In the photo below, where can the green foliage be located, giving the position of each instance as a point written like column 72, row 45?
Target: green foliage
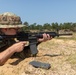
column 51, row 27
column 47, row 26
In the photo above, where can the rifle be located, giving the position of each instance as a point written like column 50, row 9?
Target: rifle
column 32, row 38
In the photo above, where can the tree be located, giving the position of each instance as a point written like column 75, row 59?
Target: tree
column 26, row 28
column 55, row 26
column 39, row 27
column 47, row 26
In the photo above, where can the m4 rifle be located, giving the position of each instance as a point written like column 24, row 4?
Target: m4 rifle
column 32, row 38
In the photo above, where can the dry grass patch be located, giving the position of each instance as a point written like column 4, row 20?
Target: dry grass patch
column 72, row 59
column 62, row 59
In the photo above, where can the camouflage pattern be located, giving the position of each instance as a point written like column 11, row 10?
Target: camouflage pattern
column 10, row 20
column 7, row 43
column 4, row 44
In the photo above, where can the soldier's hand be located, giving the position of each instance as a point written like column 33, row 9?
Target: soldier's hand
column 45, row 37
column 18, row 47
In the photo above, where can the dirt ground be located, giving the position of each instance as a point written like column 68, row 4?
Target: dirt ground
column 62, row 58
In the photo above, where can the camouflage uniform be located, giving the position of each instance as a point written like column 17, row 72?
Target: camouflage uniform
column 7, row 43
column 10, row 20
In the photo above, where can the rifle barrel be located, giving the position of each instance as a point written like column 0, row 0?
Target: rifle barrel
column 65, row 34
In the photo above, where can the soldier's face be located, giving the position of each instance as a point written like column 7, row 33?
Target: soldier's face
column 10, row 31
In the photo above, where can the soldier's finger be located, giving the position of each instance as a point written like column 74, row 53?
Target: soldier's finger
column 49, row 37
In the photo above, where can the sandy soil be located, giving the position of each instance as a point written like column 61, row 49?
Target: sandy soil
column 59, row 51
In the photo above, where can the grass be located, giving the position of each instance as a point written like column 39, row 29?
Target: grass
column 72, row 59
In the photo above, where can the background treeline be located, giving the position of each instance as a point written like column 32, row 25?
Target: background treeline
column 51, row 27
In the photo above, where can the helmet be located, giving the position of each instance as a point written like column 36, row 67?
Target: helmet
column 10, row 20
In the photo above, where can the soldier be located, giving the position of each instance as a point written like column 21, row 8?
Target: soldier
column 10, row 25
